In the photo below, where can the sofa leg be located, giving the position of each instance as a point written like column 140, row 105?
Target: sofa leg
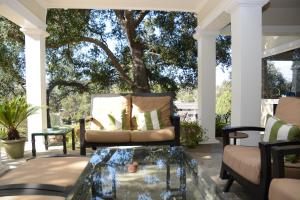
column 223, row 173
column 228, row 184
column 82, row 151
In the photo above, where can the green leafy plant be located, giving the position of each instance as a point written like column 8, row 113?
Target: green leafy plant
column 191, row 133
column 12, row 113
column 221, row 122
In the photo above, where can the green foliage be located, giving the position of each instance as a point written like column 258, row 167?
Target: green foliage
column 191, row 134
column 274, row 84
column 75, row 107
column 76, row 66
column 12, row 113
column 221, row 122
column 2, row 133
column 187, row 95
column 12, row 66
column 223, row 107
column 223, row 104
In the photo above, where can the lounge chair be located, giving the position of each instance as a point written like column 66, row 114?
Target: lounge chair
column 251, row 166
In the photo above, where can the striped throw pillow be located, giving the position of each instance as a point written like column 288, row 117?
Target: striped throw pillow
column 117, row 121
column 149, row 120
column 276, row 130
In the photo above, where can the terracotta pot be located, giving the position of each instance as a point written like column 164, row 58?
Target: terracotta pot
column 14, row 148
column 132, row 168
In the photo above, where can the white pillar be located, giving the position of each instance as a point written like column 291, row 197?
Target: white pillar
column 207, row 82
column 35, row 79
column 246, row 32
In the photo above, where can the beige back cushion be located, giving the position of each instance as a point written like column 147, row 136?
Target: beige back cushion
column 102, row 105
column 149, row 103
column 288, row 110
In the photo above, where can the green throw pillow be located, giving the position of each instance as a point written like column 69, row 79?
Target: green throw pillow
column 149, row 120
column 278, row 130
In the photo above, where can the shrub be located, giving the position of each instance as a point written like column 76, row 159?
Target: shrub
column 191, row 133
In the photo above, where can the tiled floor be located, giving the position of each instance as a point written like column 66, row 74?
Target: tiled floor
column 209, row 157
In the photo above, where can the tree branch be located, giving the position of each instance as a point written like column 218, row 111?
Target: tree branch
column 112, row 57
column 140, row 18
column 82, row 87
column 105, row 48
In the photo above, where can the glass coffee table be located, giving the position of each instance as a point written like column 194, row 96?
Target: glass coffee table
column 54, row 131
column 144, row 173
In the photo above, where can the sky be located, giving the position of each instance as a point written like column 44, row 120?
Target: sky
column 283, row 66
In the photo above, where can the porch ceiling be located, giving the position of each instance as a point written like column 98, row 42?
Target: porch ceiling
column 166, row 5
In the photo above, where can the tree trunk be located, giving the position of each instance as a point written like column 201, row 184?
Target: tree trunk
column 48, row 108
column 139, row 71
column 140, row 76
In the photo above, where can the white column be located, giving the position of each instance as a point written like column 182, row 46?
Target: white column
column 207, row 82
column 35, row 79
column 246, row 32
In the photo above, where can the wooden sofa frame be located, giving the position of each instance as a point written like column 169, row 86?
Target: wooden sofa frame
column 175, row 121
column 259, row 191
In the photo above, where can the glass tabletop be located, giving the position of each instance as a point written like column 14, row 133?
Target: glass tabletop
column 53, row 131
column 146, row 173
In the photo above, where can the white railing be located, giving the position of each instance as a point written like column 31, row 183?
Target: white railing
column 187, row 111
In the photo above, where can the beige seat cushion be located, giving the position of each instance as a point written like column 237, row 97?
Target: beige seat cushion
column 102, row 105
column 243, row 160
column 288, row 110
column 153, row 135
column 100, row 136
column 142, row 104
column 32, row 197
column 60, row 171
column 284, row 189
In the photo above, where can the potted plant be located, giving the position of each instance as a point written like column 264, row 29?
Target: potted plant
column 12, row 113
column 191, row 134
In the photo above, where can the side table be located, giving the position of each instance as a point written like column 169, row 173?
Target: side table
column 237, row 135
column 55, row 131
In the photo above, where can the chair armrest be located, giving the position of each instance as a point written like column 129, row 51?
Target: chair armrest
column 82, row 129
column 278, row 144
column 175, row 120
column 278, row 153
column 87, row 119
column 230, row 129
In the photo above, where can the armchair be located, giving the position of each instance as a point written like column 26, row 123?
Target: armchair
column 251, row 166
column 281, row 187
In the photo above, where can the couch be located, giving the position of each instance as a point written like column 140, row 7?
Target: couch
column 125, row 130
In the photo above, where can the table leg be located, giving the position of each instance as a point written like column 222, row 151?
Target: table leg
column 33, row 145
column 46, row 141
column 168, row 178
column 234, row 141
column 64, row 143
column 73, row 139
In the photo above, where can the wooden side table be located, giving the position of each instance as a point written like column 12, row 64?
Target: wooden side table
column 59, row 131
column 237, row 135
